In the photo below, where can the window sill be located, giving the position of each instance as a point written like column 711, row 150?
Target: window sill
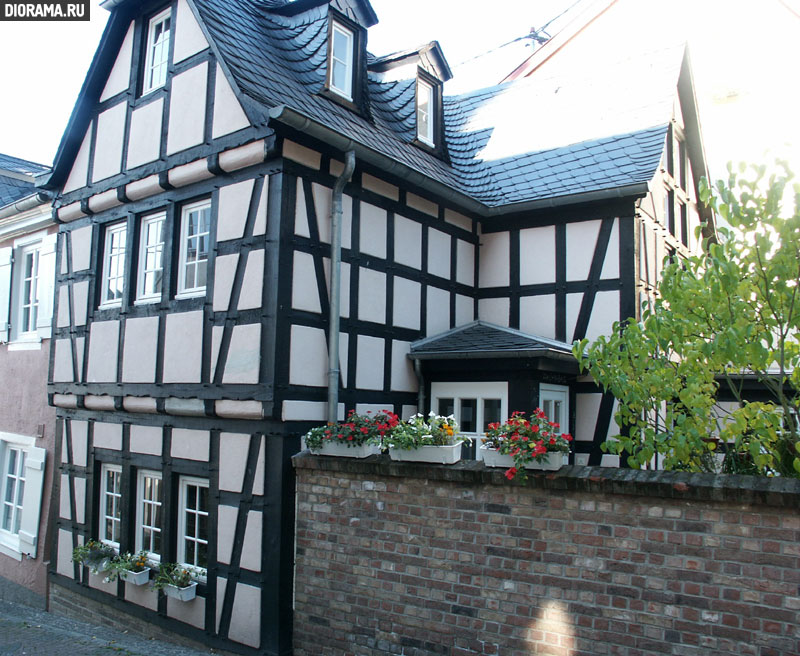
column 192, row 293
column 10, row 550
column 25, row 344
column 147, row 300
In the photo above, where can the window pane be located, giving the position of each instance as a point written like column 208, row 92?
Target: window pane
column 491, row 412
column 468, row 420
column 447, row 407
column 203, row 499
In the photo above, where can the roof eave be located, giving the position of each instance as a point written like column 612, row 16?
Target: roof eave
column 550, row 354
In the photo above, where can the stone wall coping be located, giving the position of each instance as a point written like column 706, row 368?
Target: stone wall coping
column 751, row 490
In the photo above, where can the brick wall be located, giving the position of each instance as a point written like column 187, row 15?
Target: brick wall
column 401, row 558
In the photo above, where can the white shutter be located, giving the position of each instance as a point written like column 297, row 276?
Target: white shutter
column 5, row 290
column 32, row 501
column 46, row 291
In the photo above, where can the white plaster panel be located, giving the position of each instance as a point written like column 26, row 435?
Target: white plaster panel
column 407, row 242
column 63, row 306
column 438, row 311
column 235, row 159
column 190, row 444
column 465, row 262
column 369, row 369
column 604, row 313
column 611, row 262
column 406, row 310
column 302, row 155
column 189, row 173
column 322, row 205
column 251, row 549
column 422, row 204
column 64, row 565
column 139, row 350
column 537, row 315
column 465, row 310
column 234, row 203
column 224, row 273
column 98, row 582
column 81, row 248
column 233, row 449
column 141, row 595
column 140, row 404
column 189, row 38
column 222, row 584
column 144, row 143
column 80, row 343
column 107, row 436
column 300, row 212
column 253, row 281
column 103, row 352
column 403, row 377
column 308, row 357
column 609, row 460
column 371, row 295
column 573, row 308
column 305, row 295
column 260, row 224
column 108, row 144
column 146, row 439
column 537, row 255
column 190, row 612
column 494, row 310
column 245, row 625
column 308, row 411
column 373, row 230
column 187, row 110
column 79, row 173
column 79, row 490
column 379, row 186
column 183, row 344
column 407, row 412
column 62, row 362
column 258, row 483
column 344, row 288
column 144, row 188
column 228, row 113
column 216, row 341
column 494, row 258
column 439, row 253
column 581, row 242
column 344, row 341
column 64, row 510
column 226, row 529
column 119, row 78
column 457, row 219
column 587, row 406
column 80, row 293
column 244, row 355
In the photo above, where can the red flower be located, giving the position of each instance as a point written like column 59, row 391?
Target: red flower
column 534, row 429
column 350, row 438
column 510, row 473
column 567, row 437
column 552, row 440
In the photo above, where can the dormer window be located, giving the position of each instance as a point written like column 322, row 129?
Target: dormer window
column 340, row 65
column 157, row 54
column 425, row 105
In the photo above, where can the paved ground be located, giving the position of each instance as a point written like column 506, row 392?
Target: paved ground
column 27, row 631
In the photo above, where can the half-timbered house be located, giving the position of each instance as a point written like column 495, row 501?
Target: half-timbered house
column 242, row 190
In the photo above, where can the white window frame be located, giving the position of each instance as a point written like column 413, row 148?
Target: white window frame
column 183, row 262
column 426, row 94
column 116, row 496
column 555, row 393
column 141, row 503
column 114, row 254
column 183, row 496
column 481, row 392
column 16, row 543
column 21, row 300
column 345, row 59
column 157, row 56
column 143, row 293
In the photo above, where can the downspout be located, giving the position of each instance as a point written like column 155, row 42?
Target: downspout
column 421, row 384
column 336, row 283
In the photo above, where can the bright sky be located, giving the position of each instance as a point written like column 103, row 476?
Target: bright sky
column 744, row 55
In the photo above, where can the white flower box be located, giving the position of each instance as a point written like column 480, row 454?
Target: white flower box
column 551, row 462
column 181, row 594
column 443, row 455
column 135, row 578
column 342, row 450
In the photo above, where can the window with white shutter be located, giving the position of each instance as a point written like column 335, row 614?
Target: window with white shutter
column 22, row 468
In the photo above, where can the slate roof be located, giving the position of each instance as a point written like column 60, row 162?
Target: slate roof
column 481, row 339
column 12, row 188
column 512, row 143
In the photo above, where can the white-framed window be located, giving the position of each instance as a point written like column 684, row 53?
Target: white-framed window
column 27, row 291
column 340, row 61
column 110, row 504
column 193, row 528
column 193, row 261
column 149, row 504
column 113, row 281
column 474, row 405
column 21, row 478
column 151, row 258
column 157, row 54
column 425, row 111
column 554, row 400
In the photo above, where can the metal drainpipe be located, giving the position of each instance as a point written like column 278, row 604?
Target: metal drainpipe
column 336, row 283
column 421, row 383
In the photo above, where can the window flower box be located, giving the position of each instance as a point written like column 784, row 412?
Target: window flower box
column 553, row 461
column 186, row 593
column 343, row 450
column 359, row 436
column 135, row 578
column 446, row 454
